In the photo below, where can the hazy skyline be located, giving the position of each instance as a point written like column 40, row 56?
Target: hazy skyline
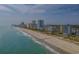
column 52, row 14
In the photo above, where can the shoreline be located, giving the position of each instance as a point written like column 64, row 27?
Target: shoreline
column 38, row 41
column 61, row 46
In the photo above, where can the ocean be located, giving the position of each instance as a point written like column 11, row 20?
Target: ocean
column 13, row 41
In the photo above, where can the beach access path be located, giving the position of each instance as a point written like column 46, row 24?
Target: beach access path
column 60, row 45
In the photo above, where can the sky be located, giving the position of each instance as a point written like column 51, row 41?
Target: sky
column 50, row 13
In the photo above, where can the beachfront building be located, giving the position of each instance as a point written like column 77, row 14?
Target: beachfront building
column 54, row 29
column 34, row 25
column 29, row 26
column 71, row 29
column 61, row 29
column 67, row 29
column 40, row 25
column 50, row 28
column 75, row 29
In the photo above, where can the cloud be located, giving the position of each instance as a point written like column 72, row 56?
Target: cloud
column 4, row 8
column 22, row 9
column 29, row 9
column 66, row 9
column 53, row 13
column 39, row 8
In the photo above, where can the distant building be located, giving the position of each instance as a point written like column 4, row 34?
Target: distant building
column 22, row 25
column 40, row 24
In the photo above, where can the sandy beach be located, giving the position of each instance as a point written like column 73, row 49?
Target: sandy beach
column 61, row 46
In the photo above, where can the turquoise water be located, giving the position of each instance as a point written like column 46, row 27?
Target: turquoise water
column 14, row 42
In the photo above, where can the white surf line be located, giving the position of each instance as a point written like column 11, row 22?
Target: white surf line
column 38, row 42
column 42, row 44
